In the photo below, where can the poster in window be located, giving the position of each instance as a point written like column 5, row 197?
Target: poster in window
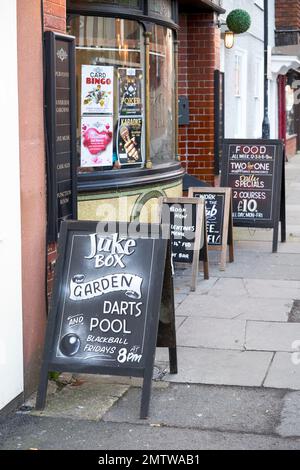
column 97, row 94
column 96, row 141
column 130, row 92
column 130, row 140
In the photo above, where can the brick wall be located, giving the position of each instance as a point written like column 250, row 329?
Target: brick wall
column 55, row 15
column 54, row 20
column 199, row 56
column 291, row 146
column 287, row 14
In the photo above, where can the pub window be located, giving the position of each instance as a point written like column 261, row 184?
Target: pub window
column 110, row 61
column 162, row 94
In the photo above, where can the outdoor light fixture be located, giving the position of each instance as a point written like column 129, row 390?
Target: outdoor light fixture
column 229, row 39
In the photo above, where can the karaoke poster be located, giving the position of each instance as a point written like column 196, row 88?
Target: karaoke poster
column 130, row 140
column 130, row 92
column 96, row 141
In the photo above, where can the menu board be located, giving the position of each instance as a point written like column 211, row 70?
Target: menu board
column 130, row 92
column 183, row 224
column 106, row 301
column 97, row 89
column 253, row 169
column 187, row 222
column 218, row 211
column 96, row 141
column 214, row 208
column 61, row 131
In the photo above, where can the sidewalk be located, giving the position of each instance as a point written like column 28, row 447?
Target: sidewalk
column 238, row 328
column 237, row 386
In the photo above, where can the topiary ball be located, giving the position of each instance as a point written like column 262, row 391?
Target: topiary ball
column 238, row 21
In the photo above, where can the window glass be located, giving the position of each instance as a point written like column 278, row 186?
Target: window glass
column 123, row 3
column 110, row 84
column 161, row 7
column 162, row 95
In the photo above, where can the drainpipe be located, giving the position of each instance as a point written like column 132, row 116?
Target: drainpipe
column 266, row 121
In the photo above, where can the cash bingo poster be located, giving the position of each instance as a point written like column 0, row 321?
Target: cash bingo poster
column 110, row 289
column 97, row 89
column 129, row 141
column 96, row 141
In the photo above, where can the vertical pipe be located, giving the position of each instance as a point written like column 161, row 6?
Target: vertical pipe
column 266, row 121
column 176, row 50
column 147, row 36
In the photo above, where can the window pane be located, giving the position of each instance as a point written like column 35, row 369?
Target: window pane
column 123, row 3
column 110, row 89
column 161, row 7
column 162, row 95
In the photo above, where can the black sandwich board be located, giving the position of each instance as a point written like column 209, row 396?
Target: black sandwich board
column 107, row 303
column 60, row 106
column 186, row 217
column 218, row 205
column 254, row 169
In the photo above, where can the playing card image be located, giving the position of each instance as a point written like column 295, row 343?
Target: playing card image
column 130, row 92
column 97, row 89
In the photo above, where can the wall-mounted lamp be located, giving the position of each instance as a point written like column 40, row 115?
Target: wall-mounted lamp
column 229, row 39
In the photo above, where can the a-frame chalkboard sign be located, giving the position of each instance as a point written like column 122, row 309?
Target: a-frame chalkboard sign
column 106, row 303
column 255, row 171
column 186, row 217
column 218, row 203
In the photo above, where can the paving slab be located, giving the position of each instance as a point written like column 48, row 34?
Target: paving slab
column 88, row 401
column 220, row 367
column 274, row 289
column 183, row 285
column 205, row 407
column 283, row 373
column 271, row 336
column 230, row 287
column 179, row 298
column 64, row 434
column 236, row 307
column 290, row 247
column 212, row 333
column 290, row 416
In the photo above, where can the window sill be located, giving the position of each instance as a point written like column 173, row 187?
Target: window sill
column 121, row 179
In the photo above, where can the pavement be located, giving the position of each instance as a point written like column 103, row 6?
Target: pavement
column 238, row 385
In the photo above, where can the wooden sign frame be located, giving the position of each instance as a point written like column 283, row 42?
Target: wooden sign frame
column 200, row 252
column 227, row 232
column 61, row 131
column 278, row 204
column 161, row 253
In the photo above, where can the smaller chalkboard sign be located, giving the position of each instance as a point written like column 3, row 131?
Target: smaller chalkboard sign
column 107, row 303
column 186, row 217
column 255, row 171
column 218, row 204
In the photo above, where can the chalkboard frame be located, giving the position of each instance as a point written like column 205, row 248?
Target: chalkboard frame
column 200, row 252
column 227, row 232
column 278, row 187
column 50, row 40
column 152, row 321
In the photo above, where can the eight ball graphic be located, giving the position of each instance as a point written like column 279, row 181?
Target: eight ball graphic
column 70, row 345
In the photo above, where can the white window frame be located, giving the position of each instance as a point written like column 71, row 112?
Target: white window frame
column 258, row 96
column 241, row 98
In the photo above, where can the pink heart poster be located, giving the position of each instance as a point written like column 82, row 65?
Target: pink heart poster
column 96, row 141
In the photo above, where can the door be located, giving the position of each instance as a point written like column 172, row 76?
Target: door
column 11, row 348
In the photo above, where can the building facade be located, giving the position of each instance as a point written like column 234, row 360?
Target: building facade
column 137, row 43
